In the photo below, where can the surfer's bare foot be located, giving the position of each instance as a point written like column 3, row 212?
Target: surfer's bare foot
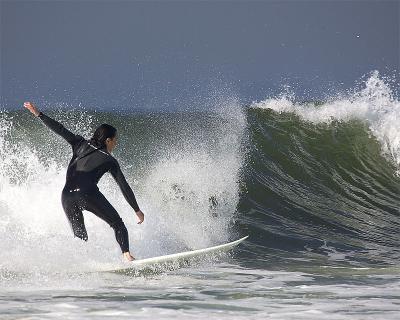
column 128, row 256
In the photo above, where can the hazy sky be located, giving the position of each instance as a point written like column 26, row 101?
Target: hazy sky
column 172, row 54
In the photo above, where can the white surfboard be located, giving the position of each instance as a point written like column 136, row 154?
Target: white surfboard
column 177, row 259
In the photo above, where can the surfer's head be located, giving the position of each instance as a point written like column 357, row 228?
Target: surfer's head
column 105, row 136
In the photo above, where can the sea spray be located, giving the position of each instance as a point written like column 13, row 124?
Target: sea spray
column 374, row 104
column 205, row 168
column 194, row 190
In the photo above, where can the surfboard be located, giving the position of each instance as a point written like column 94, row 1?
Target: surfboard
column 176, row 260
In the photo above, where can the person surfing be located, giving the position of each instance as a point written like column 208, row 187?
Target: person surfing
column 91, row 159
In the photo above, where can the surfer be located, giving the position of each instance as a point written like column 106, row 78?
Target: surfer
column 91, row 159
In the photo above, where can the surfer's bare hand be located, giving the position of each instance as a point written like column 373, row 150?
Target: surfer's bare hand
column 32, row 108
column 140, row 215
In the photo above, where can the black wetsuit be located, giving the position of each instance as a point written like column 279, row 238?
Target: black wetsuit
column 87, row 166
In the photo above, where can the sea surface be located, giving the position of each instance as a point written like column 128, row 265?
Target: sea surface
column 315, row 185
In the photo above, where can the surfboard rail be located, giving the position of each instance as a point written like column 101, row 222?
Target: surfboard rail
column 177, row 257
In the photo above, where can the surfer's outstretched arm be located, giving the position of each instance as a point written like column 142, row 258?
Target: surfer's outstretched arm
column 54, row 125
column 126, row 189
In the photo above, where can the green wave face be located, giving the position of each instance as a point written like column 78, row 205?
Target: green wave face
column 320, row 188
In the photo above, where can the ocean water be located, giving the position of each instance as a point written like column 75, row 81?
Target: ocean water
column 316, row 186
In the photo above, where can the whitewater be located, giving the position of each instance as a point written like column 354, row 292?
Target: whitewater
column 374, row 104
column 314, row 185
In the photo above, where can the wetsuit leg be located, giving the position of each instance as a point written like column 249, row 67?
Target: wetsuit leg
column 73, row 211
column 98, row 204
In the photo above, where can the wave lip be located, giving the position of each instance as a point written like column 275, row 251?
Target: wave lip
column 374, row 104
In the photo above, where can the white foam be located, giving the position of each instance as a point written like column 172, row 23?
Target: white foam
column 35, row 235
column 374, row 104
column 193, row 193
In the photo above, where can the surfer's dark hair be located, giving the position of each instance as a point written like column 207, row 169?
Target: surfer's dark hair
column 102, row 133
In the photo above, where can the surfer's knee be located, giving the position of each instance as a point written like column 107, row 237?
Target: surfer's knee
column 118, row 225
column 78, row 228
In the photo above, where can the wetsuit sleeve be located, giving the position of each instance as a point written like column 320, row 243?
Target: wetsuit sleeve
column 58, row 128
column 117, row 174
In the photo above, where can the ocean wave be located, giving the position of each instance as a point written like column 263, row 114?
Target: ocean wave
column 323, row 177
column 374, row 104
